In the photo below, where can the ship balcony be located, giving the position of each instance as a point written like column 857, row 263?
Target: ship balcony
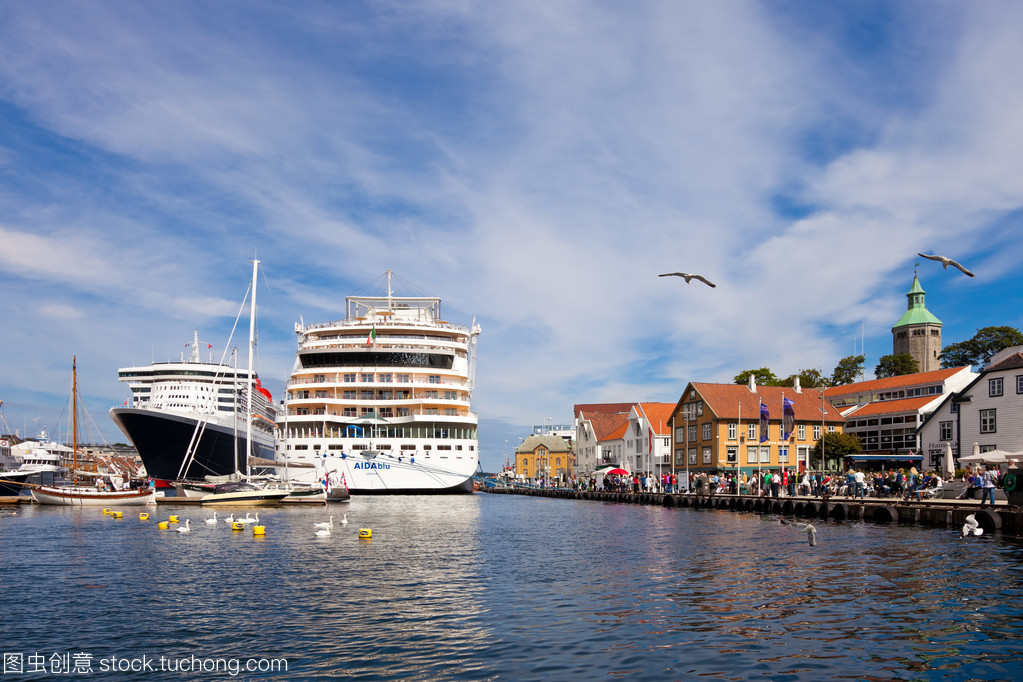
column 378, row 397
column 424, row 413
column 339, row 381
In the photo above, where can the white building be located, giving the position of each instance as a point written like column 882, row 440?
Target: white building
column 988, row 411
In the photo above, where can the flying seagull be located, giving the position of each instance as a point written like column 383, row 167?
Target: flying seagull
column 811, row 532
column 945, row 262
column 689, row 277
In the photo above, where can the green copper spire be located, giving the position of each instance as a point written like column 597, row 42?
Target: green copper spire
column 916, row 312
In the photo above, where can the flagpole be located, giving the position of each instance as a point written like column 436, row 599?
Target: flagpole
column 760, row 475
column 738, row 454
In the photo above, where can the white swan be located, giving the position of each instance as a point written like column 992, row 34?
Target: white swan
column 229, row 520
column 213, row 521
column 972, row 526
column 325, row 525
column 322, row 533
column 186, row 529
column 248, row 519
column 344, row 521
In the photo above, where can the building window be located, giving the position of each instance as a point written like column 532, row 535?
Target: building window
column 751, row 454
column 801, row 431
column 994, row 387
column 706, row 455
column 988, row 421
column 751, row 430
column 699, row 409
column 954, row 408
column 692, row 455
column 816, row 431
column 783, row 455
column 692, row 432
column 831, row 428
column 732, row 429
column 733, row 455
column 945, row 430
column 679, row 433
column 765, row 454
column 706, row 432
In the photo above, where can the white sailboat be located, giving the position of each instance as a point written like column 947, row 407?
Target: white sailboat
column 246, row 492
column 87, row 496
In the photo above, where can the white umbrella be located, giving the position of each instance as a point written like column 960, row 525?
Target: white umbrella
column 990, row 457
column 950, row 470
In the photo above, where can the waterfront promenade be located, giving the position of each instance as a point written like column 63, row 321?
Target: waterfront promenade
column 1002, row 517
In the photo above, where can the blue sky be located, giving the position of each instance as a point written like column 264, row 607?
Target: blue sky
column 535, row 164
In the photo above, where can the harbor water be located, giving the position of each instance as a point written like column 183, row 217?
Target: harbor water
column 503, row 587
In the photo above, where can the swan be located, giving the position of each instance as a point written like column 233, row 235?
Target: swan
column 248, row 519
column 186, row 529
column 322, row 533
column 326, row 524
column 213, row 521
column 344, row 521
column 229, row 520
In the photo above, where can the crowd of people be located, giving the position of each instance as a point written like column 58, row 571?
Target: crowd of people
column 907, row 484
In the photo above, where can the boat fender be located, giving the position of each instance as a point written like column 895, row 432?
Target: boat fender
column 365, row 533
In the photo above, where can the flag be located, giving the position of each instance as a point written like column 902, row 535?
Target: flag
column 650, row 451
column 788, row 409
column 765, row 420
column 372, row 336
column 209, row 345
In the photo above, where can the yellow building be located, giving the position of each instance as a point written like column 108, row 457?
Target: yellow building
column 547, row 456
column 717, row 427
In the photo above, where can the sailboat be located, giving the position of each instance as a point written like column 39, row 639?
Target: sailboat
column 87, row 496
column 246, row 492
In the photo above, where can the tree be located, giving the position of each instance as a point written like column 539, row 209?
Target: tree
column 808, row 378
column 763, row 377
column 896, row 366
column 847, row 370
column 981, row 348
column 836, row 446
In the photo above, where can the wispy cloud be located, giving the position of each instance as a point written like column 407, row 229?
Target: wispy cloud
column 535, row 164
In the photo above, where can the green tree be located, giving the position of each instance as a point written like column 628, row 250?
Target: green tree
column 808, row 378
column 978, row 350
column 896, row 366
column 847, row 371
column 836, row 447
column 763, row 377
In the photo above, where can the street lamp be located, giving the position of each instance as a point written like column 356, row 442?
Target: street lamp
column 685, row 451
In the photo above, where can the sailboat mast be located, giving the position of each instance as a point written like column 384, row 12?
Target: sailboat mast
column 252, row 345
column 74, row 419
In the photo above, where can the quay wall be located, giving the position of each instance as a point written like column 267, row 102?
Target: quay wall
column 1003, row 518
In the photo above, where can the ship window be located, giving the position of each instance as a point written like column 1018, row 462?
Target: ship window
column 366, row 378
column 384, row 446
column 349, row 378
column 301, row 447
column 434, row 378
column 427, row 447
column 334, row 446
column 443, row 447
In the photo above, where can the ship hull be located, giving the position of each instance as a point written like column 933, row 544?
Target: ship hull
column 162, row 440
column 386, row 475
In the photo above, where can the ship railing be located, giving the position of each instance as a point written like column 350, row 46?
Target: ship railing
column 363, row 384
column 380, row 323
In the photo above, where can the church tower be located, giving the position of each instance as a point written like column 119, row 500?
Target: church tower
column 918, row 332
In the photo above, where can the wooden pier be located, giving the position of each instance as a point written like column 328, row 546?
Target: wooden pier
column 1002, row 517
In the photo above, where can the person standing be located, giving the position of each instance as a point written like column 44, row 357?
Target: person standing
column 775, row 485
column 990, row 478
column 860, row 483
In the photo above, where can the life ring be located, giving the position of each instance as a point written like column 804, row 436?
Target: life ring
column 1010, row 482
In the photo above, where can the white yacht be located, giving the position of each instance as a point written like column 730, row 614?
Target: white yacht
column 187, row 418
column 380, row 399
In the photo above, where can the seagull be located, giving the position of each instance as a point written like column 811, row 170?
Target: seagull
column 945, row 262
column 326, row 524
column 811, row 532
column 186, row 529
column 689, row 277
column 213, row 521
column 972, row 527
column 322, row 533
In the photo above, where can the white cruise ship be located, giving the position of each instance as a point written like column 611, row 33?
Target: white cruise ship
column 196, row 407
column 381, row 398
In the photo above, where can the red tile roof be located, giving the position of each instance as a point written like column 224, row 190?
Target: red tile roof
column 724, row 401
column 918, row 379
column 893, row 406
column 658, row 415
column 605, row 408
column 605, row 424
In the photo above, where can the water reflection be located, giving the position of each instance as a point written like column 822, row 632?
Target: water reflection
column 475, row 587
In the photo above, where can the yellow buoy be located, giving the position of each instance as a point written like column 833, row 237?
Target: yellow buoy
column 237, row 525
column 164, row 525
column 259, row 530
column 365, row 533
column 143, row 516
column 106, row 510
column 117, row 515
column 173, row 518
